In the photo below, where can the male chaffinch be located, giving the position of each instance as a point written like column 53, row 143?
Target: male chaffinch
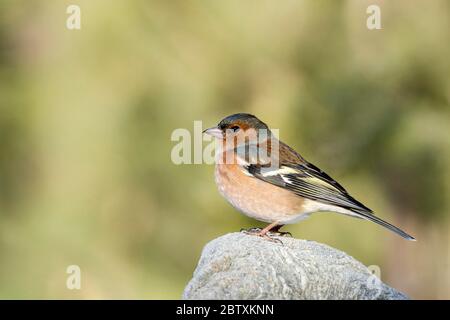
column 269, row 181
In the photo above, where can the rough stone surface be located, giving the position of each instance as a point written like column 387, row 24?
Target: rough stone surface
column 241, row 266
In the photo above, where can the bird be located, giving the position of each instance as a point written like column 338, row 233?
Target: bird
column 267, row 180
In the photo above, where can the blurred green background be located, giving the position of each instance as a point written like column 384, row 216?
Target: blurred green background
column 86, row 118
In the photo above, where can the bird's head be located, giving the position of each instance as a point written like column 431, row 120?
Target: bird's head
column 240, row 126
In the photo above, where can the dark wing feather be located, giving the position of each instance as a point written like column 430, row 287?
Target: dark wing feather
column 308, row 181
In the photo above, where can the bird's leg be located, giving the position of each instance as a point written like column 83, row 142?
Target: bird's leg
column 271, row 226
column 267, row 233
column 260, row 232
column 264, row 233
column 276, row 230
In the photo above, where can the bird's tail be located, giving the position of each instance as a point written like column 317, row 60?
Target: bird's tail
column 381, row 222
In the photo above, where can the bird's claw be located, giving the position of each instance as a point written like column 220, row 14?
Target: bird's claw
column 271, row 236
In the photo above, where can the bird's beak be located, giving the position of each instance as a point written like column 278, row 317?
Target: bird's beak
column 215, row 132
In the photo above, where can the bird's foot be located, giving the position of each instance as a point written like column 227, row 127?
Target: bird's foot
column 271, row 236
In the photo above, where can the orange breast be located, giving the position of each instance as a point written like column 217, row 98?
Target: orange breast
column 254, row 197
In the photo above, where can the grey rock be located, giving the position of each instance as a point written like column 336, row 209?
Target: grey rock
column 241, row 266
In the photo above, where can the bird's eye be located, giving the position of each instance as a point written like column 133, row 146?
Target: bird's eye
column 235, row 128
